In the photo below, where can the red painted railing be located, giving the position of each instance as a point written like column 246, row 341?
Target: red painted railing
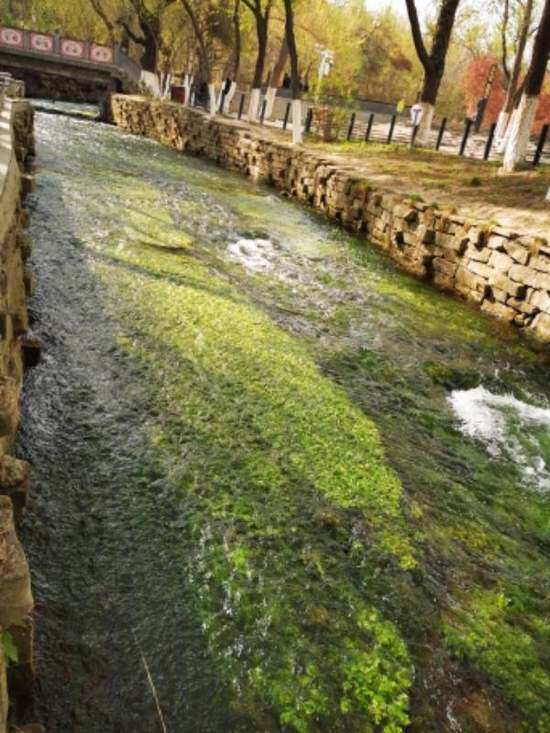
column 43, row 44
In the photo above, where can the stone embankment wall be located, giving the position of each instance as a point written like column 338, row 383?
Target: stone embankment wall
column 505, row 273
column 16, row 144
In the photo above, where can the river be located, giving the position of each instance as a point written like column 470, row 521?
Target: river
column 277, row 484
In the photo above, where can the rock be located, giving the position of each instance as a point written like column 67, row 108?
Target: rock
column 480, row 269
column 501, row 262
column 501, row 296
column 496, row 242
column 522, row 306
column 501, row 282
column 14, row 480
column 543, row 281
column 475, row 259
column 541, row 327
column 15, row 586
column 540, row 300
column 540, row 262
column 498, row 310
column 441, row 265
column 480, row 255
column 32, row 351
column 517, row 252
column 524, row 275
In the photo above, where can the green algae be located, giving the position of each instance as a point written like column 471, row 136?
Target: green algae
column 266, row 439
column 328, row 555
column 311, row 430
column 485, row 632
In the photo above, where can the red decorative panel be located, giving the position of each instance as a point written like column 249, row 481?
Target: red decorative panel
column 41, row 43
column 73, row 49
column 12, row 37
column 101, row 54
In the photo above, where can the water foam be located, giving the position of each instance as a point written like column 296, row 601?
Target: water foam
column 256, row 255
column 507, row 427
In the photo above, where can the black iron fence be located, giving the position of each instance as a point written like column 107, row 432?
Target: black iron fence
column 380, row 127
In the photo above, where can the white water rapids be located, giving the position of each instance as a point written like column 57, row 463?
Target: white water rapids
column 507, row 426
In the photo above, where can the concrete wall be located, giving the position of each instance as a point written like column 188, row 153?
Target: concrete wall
column 505, row 273
column 15, row 283
column 49, row 80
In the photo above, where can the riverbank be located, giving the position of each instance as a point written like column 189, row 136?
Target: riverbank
column 505, row 273
column 16, row 603
column 474, row 188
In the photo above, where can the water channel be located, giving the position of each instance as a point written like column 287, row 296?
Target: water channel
column 277, row 484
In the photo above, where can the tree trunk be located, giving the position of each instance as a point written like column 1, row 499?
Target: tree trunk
column 434, row 61
column 508, row 106
column 188, row 86
column 262, row 24
column 519, row 133
column 204, row 59
column 238, row 42
column 297, row 127
column 226, row 101
column 277, row 78
column 432, row 82
column 522, row 121
column 149, row 60
column 213, row 99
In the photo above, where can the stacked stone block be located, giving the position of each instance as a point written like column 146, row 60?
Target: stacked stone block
column 15, row 284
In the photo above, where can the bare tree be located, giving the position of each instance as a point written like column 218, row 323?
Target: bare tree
column 261, row 9
column 523, row 118
column 434, row 60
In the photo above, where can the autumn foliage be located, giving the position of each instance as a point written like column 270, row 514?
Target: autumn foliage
column 473, row 85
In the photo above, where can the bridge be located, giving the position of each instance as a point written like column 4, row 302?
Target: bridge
column 67, row 69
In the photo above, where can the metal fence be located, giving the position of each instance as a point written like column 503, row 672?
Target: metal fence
column 377, row 127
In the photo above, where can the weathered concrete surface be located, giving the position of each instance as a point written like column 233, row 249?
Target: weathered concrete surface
column 66, row 84
column 504, row 273
column 16, row 143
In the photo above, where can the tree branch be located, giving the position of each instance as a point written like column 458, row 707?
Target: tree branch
column 199, row 35
column 504, row 39
column 417, row 35
column 130, row 32
column 100, row 12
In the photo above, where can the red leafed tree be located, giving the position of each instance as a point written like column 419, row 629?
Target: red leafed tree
column 474, row 82
column 543, row 112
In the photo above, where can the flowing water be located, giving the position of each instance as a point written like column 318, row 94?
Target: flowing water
column 277, row 484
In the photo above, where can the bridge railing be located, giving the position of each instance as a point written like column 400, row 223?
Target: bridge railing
column 18, row 40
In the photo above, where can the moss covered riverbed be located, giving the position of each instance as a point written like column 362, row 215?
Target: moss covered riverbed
column 353, row 556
